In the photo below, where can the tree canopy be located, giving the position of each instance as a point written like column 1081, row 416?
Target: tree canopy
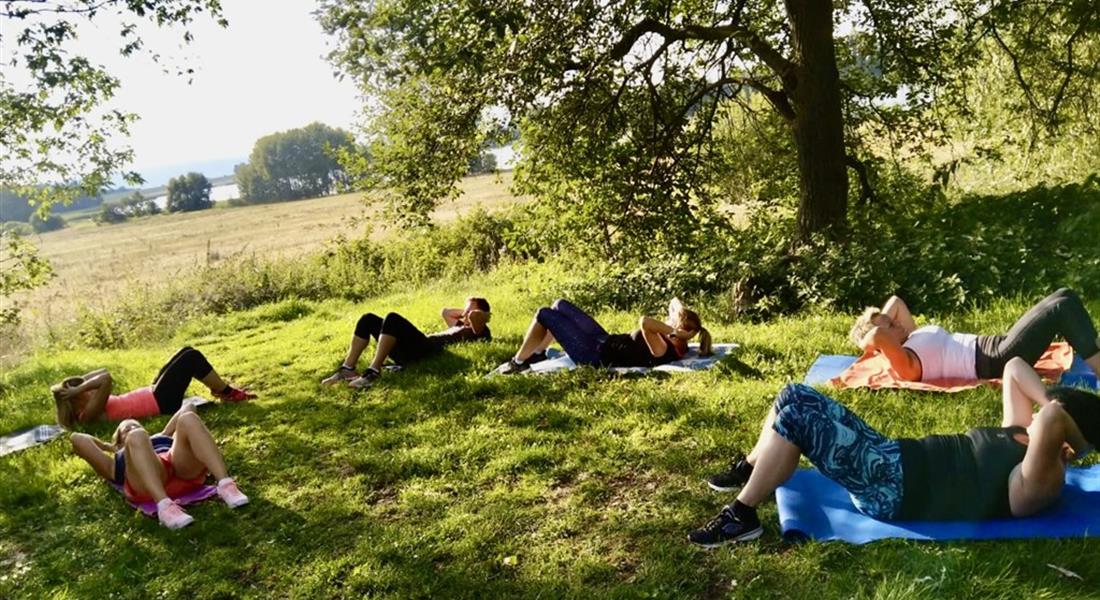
column 618, row 102
column 188, row 192
column 294, row 164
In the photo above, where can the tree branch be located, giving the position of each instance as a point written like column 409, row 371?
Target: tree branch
column 866, row 192
column 761, row 48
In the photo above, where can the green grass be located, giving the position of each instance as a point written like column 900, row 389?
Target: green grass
column 442, row 483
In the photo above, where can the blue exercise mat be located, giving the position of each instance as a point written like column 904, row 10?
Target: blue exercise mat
column 1079, row 374
column 814, row 507
column 826, row 367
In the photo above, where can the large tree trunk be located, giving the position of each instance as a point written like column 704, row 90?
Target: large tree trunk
column 818, row 124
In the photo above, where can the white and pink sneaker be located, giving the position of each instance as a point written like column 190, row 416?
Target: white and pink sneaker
column 227, row 489
column 172, row 516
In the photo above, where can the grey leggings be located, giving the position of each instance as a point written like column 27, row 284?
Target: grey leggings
column 1060, row 313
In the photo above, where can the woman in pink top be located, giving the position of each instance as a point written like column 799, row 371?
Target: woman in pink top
column 89, row 398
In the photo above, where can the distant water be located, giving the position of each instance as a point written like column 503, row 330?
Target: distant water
column 219, row 193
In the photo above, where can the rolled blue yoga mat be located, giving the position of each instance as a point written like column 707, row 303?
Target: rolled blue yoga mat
column 811, row 506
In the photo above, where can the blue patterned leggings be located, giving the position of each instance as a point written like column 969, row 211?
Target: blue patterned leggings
column 843, row 448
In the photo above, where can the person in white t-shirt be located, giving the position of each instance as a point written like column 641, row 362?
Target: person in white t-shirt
column 929, row 352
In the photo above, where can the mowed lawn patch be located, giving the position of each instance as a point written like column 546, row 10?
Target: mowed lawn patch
column 440, row 482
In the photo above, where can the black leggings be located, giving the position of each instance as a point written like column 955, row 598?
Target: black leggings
column 412, row 344
column 172, row 380
column 1060, row 313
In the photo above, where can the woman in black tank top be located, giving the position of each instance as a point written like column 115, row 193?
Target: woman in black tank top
column 1014, row 470
column 655, row 342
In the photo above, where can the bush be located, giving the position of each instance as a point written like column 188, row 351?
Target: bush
column 110, row 214
column 50, row 223
column 188, row 193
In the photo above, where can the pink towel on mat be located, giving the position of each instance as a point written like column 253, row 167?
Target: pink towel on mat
column 874, row 372
column 193, row 497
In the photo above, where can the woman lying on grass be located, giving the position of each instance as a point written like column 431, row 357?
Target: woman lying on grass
column 88, row 397
column 929, row 352
column 1014, row 470
column 163, row 466
column 654, row 343
column 400, row 340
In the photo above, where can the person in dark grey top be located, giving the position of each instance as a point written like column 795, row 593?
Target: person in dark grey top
column 1014, row 470
column 401, row 341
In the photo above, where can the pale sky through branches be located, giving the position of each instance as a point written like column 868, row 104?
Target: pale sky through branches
column 266, row 72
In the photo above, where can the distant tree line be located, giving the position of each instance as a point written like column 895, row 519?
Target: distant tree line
column 294, row 164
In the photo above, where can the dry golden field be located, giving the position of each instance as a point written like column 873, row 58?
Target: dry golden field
column 94, row 262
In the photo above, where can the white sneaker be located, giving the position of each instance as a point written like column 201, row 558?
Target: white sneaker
column 173, row 517
column 232, row 495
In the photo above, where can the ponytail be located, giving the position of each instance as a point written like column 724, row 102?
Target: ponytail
column 64, row 408
column 705, row 346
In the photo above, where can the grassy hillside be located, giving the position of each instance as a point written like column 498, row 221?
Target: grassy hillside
column 442, row 483
column 94, row 262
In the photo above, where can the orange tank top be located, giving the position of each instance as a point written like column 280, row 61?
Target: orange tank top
column 137, row 404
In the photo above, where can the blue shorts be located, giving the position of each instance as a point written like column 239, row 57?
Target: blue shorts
column 843, row 448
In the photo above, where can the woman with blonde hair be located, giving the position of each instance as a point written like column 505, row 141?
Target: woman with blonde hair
column 163, row 466
column 653, row 343
column 929, row 352
column 88, row 397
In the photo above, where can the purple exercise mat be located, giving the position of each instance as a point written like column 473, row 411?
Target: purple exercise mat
column 193, row 497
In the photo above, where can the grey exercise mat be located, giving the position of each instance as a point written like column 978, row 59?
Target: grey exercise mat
column 556, row 360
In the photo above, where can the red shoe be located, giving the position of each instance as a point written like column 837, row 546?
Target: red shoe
column 235, row 395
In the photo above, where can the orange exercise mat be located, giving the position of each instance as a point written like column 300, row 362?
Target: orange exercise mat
column 873, row 371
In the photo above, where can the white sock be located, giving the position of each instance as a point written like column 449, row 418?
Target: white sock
column 224, row 481
column 163, row 504
column 346, row 366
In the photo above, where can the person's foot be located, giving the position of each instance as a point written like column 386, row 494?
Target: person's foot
column 728, row 527
column 366, row 380
column 733, row 478
column 232, row 394
column 536, row 358
column 172, row 516
column 513, row 366
column 231, row 494
column 344, row 373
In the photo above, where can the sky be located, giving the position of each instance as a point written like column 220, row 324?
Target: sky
column 266, row 72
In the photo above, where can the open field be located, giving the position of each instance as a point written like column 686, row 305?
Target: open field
column 442, row 483
column 93, row 262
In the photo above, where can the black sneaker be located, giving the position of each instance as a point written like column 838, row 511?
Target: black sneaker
column 726, row 528
column 368, row 378
column 731, row 480
column 535, row 358
column 512, row 367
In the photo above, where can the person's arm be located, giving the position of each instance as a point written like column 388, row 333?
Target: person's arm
column 1037, row 481
column 1021, row 390
column 898, row 311
column 654, row 332
column 904, row 362
column 100, row 386
column 452, row 316
column 92, row 374
column 477, row 319
column 95, row 453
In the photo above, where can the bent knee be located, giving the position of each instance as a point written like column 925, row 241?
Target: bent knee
column 188, row 420
column 557, row 304
column 137, row 438
column 794, row 394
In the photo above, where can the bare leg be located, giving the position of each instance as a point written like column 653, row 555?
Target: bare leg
column 1020, row 390
column 144, row 470
column 355, row 350
column 385, row 345
column 533, row 340
column 776, row 460
column 768, row 420
column 194, row 449
column 546, row 341
column 214, row 381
